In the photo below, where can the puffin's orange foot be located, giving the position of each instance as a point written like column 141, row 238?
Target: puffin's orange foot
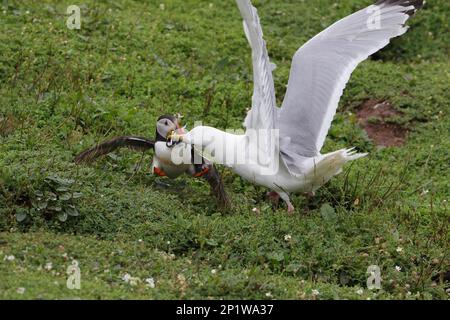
column 202, row 173
column 159, row 172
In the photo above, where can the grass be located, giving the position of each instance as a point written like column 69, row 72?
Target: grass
column 63, row 90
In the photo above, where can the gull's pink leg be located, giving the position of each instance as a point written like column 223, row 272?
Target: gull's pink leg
column 286, row 199
column 291, row 208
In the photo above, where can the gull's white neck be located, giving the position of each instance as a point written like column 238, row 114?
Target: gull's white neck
column 217, row 145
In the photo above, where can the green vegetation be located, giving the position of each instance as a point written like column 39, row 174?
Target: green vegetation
column 62, row 90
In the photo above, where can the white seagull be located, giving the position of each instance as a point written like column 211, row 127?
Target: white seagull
column 280, row 148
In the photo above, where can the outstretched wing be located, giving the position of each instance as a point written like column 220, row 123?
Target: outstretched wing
column 135, row 143
column 263, row 112
column 322, row 67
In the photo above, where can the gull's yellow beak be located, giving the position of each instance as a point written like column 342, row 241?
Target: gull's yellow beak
column 173, row 136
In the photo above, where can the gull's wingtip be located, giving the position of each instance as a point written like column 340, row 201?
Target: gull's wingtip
column 417, row 4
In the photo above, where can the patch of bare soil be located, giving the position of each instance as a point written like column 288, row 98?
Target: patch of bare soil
column 6, row 126
column 372, row 116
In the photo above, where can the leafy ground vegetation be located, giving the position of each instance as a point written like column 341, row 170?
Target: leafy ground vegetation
column 137, row 236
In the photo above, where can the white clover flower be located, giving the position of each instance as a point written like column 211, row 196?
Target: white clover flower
column 287, row 238
column 360, row 291
column 315, row 292
column 126, row 277
column 48, row 266
column 213, row 271
column 398, row 268
column 9, row 258
column 269, row 295
column 399, row 249
column 20, row 290
column 162, row 6
column 150, row 282
column 131, row 280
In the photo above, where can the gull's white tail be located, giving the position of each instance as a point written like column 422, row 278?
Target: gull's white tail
column 351, row 154
column 330, row 165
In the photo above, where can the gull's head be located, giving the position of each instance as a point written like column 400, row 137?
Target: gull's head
column 167, row 125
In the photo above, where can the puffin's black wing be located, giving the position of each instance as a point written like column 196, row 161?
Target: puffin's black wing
column 217, row 188
column 134, row 143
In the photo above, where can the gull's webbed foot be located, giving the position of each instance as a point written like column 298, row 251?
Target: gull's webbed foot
column 310, row 194
column 274, row 197
column 291, row 208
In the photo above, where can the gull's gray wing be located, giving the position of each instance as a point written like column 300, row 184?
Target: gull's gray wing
column 260, row 121
column 263, row 112
column 322, row 67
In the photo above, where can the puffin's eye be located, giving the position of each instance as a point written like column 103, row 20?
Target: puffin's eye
column 166, row 123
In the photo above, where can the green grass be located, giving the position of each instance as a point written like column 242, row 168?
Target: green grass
column 62, row 90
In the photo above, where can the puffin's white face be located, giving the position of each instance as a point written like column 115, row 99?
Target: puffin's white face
column 165, row 126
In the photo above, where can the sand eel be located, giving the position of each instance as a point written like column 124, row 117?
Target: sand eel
column 163, row 165
column 281, row 146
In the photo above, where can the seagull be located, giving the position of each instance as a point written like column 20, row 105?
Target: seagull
column 162, row 164
column 280, row 148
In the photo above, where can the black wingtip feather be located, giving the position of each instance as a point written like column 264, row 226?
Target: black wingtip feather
column 417, row 4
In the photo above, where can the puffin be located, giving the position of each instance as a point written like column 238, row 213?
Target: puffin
column 281, row 146
column 162, row 162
